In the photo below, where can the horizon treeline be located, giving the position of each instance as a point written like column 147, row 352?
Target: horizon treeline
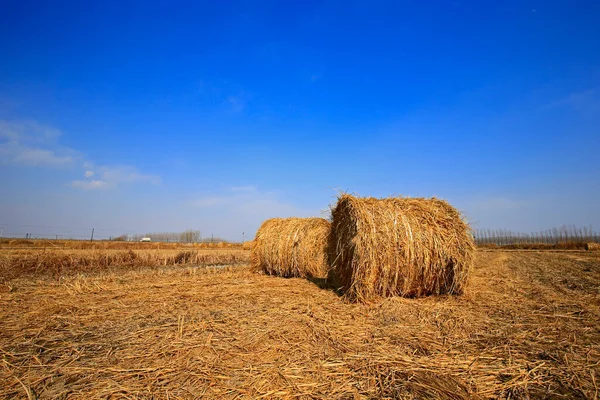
column 563, row 234
column 187, row 236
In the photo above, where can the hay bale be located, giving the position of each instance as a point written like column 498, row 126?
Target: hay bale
column 592, row 246
column 398, row 247
column 291, row 247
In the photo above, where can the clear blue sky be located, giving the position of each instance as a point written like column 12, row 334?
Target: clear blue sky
column 136, row 116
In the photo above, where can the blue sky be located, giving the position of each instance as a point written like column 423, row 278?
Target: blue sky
column 161, row 116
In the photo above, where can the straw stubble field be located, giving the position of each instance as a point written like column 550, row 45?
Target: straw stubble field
column 526, row 326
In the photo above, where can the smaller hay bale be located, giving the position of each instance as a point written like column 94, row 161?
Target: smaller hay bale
column 248, row 245
column 592, row 246
column 291, row 247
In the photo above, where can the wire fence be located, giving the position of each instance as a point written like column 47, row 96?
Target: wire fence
column 92, row 234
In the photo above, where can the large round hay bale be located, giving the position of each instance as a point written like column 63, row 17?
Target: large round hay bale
column 592, row 246
column 291, row 247
column 398, row 247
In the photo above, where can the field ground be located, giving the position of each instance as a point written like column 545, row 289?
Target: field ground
column 528, row 326
column 58, row 263
column 8, row 243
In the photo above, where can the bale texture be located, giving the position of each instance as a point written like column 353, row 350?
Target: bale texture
column 291, row 247
column 592, row 246
column 398, row 247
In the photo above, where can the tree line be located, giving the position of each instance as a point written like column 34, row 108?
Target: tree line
column 187, row 236
column 563, row 234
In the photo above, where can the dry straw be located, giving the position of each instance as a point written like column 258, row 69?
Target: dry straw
column 291, row 247
column 398, row 247
column 592, row 246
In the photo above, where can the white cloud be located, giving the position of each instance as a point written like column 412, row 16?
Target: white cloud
column 32, row 144
column 27, row 131
column 112, row 176
column 14, row 153
column 92, row 184
column 126, row 174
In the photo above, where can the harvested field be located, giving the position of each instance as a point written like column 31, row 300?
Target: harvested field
column 109, row 245
column 56, row 262
column 527, row 326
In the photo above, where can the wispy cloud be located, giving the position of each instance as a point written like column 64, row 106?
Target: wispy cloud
column 27, row 131
column 32, row 144
column 91, row 184
column 109, row 177
column 582, row 101
column 237, row 103
column 14, row 153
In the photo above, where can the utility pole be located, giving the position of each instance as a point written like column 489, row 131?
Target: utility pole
column 92, row 238
column 212, row 237
column 243, row 237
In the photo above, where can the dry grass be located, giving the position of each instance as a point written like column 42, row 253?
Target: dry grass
column 56, row 262
column 592, row 246
column 398, row 247
column 292, row 247
column 109, row 245
column 527, row 327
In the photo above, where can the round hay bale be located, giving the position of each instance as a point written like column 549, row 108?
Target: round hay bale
column 592, row 246
column 291, row 247
column 398, row 246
